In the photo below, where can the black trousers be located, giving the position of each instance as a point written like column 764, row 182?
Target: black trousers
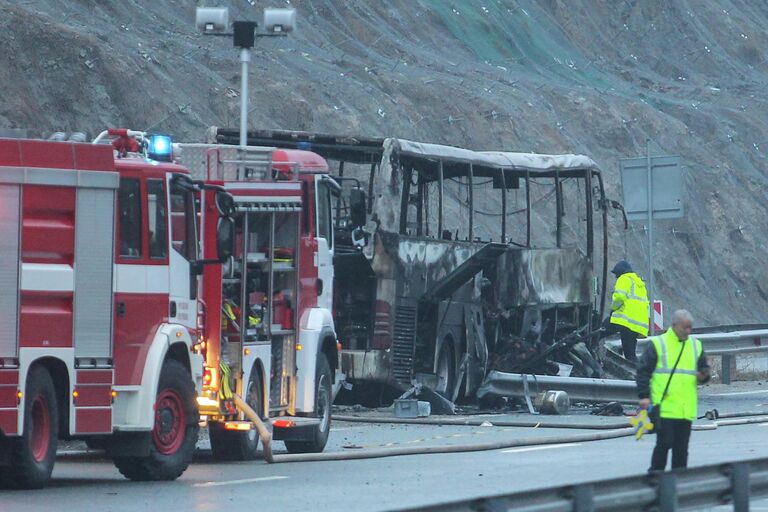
column 674, row 435
column 628, row 343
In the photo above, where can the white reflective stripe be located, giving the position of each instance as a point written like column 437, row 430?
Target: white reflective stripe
column 633, row 322
column 633, row 295
column 664, row 363
column 622, row 292
column 666, row 371
column 695, row 344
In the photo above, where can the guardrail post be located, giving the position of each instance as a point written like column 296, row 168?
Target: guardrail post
column 740, row 486
column 726, row 368
column 667, row 492
column 583, row 498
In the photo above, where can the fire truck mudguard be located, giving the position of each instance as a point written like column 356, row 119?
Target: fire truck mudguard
column 133, row 404
column 313, row 437
column 174, row 431
column 318, row 339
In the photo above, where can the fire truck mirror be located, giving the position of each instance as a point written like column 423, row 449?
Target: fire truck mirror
column 225, row 204
column 357, row 206
column 225, row 239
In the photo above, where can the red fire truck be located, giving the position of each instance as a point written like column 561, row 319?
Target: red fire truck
column 99, row 314
column 269, row 335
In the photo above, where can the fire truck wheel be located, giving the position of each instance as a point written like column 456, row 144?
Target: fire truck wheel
column 234, row 445
column 33, row 454
column 323, row 402
column 174, row 435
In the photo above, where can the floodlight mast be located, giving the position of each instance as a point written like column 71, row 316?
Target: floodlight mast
column 277, row 22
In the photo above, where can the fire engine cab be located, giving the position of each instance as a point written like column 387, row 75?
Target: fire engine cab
column 269, row 333
column 99, row 264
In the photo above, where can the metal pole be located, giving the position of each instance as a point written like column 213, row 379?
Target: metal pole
column 440, row 201
column 558, row 212
column 503, row 207
column 471, row 203
column 244, row 309
column 650, row 233
column 528, row 209
column 245, row 58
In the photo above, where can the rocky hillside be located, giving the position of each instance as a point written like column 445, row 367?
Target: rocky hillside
column 593, row 76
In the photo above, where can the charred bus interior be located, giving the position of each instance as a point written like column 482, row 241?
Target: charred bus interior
column 465, row 261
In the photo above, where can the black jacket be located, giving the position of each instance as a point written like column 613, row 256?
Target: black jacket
column 647, row 365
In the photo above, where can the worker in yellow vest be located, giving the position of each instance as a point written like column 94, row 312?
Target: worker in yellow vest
column 669, row 370
column 629, row 308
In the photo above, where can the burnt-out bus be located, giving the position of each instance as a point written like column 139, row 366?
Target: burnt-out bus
column 450, row 262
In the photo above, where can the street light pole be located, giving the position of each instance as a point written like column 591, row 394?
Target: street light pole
column 245, row 59
column 277, row 22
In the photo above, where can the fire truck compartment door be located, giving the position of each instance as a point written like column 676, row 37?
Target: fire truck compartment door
column 94, row 248
column 9, row 269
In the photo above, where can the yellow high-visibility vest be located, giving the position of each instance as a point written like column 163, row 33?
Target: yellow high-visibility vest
column 680, row 400
column 630, row 303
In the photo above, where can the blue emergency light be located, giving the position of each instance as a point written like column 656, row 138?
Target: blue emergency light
column 160, row 148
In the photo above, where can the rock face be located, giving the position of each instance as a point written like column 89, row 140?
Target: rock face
column 547, row 76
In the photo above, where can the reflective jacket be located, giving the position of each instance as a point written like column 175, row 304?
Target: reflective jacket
column 630, row 303
column 681, row 399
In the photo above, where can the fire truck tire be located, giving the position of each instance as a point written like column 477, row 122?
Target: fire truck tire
column 34, row 452
column 323, row 402
column 233, row 445
column 174, row 435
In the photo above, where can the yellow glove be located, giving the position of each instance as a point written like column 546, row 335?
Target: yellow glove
column 642, row 423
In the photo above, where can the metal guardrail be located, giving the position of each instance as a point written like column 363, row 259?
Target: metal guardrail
column 729, row 342
column 732, row 483
column 578, row 388
column 728, row 328
column 724, row 344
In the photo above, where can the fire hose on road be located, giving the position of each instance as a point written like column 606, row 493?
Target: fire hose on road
column 614, row 433
column 264, row 434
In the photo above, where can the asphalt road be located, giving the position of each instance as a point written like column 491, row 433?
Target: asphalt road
column 383, row 484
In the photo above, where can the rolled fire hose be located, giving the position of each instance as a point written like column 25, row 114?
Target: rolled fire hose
column 264, row 435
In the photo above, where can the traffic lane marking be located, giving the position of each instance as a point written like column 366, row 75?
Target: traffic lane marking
column 239, row 482
column 538, row 448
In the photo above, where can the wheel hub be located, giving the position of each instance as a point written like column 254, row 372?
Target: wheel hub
column 40, row 436
column 168, row 433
